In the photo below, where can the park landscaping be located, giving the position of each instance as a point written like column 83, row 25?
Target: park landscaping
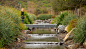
column 71, row 14
column 73, row 21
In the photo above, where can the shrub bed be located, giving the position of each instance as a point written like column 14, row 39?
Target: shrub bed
column 44, row 16
column 65, row 18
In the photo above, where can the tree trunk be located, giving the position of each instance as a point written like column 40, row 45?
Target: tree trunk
column 76, row 10
column 80, row 10
column 72, row 11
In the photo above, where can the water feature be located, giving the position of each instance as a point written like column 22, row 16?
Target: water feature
column 43, row 31
column 42, row 41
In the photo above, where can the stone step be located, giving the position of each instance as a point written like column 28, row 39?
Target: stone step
column 42, row 34
column 57, row 43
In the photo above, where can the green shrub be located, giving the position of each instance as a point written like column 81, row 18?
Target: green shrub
column 44, row 16
column 80, row 31
column 32, row 17
column 29, row 18
column 60, row 18
column 9, row 26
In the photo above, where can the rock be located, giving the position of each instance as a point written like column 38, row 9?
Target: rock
column 67, row 36
column 24, row 31
column 18, row 45
column 73, row 46
column 28, row 32
column 39, row 21
column 25, row 38
column 61, row 28
column 19, row 40
column 35, row 22
column 52, row 30
column 59, row 31
column 65, row 48
column 69, row 42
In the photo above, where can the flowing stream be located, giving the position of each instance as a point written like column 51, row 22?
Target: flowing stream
column 42, row 41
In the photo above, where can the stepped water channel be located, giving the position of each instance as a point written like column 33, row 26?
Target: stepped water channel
column 42, row 38
column 42, row 41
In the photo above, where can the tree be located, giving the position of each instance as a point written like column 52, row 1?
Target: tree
column 59, row 5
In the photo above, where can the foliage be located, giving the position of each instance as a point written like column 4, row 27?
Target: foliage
column 83, row 10
column 72, row 24
column 52, row 22
column 22, row 26
column 14, row 3
column 80, row 31
column 38, row 11
column 44, row 16
column 32, row 17
column 60, row 18
column 45, row 10
column 53, row 16
column 9, row 26
column 68, row 18
column 67, row 4
column 23, row 3
column 26, row 21
column 29, row 18
column 42, row 3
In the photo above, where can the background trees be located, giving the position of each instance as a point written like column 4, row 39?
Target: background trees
column 60, row 5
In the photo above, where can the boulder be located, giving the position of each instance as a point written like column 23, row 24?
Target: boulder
column 25, row 38
column 24, row 31
column 61, row 28
column 19, row 40
column 28, row 32
column 73, row 46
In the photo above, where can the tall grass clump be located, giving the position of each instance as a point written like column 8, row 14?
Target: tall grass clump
column 44, row 16
column 9, row 26
column 80, row 31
